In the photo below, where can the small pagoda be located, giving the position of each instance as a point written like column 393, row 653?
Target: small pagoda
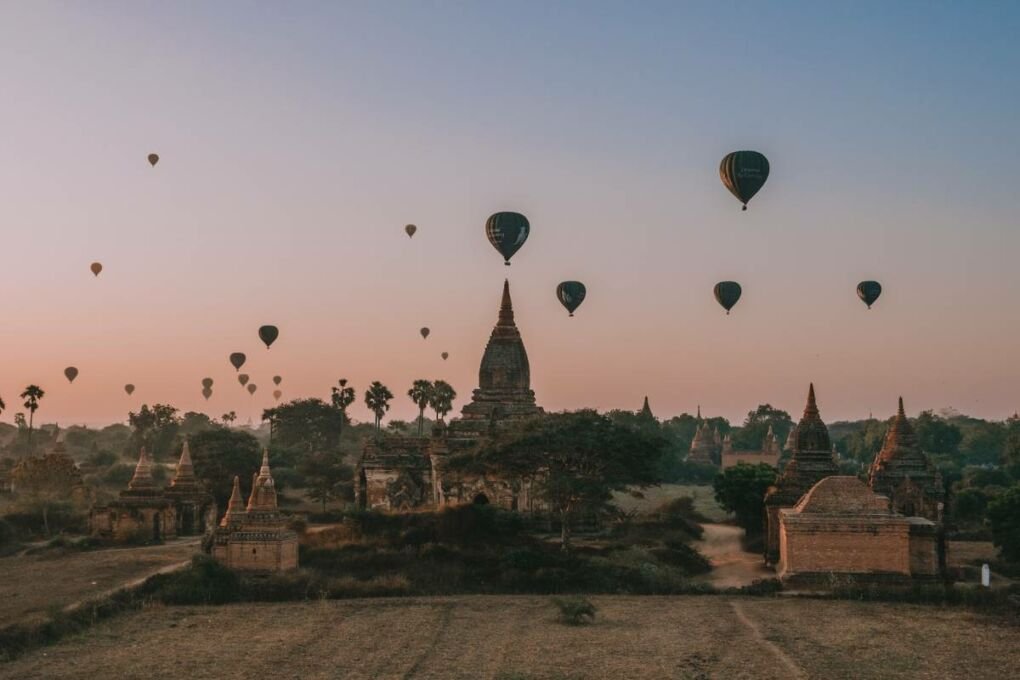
column 195, row 507
column 142, row 513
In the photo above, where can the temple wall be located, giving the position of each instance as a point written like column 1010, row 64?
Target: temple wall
column 132, row 524
column 924, row 557
column 731, row 458
column 255, row 555
column 846, row 546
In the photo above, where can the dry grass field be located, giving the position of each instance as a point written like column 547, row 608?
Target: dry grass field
column 703, row 495
column 518, row 638
column 32, row 585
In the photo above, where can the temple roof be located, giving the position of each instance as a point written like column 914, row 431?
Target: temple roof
column 185, row 474
column 839, row 495
column 263, row 490
column 901, row 458
column 900, row 440
column 646, row 410
column 235, row 506
column 142, row 479
column 812, row 435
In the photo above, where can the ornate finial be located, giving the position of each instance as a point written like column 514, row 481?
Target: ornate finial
column 699, row 411
column 812, row 408
column 506, row 307
column 142, row 479
column 901, row 413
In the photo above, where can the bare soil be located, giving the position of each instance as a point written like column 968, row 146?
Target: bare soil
column 731, row 566
column 31, row 586
column 518, row 638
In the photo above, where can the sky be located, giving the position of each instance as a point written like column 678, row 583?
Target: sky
column 297, row 139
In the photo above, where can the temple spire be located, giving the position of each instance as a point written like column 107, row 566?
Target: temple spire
column 811, row 409
column 185, row 470
column 263, row 489
column 142, row 479
column 235, row 504
column 646, row 410
column 901, row 413
column 699, row 411
column 506, row 307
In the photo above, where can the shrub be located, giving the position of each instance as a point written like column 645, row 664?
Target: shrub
column 204, row 582
column 575, row 610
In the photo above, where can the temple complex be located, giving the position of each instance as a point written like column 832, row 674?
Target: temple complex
column 904, row 474
column 195, row 507
column 768, row 454
column 400, row 473
column 255, row 537
column 841, row 531
column 812, row 461
column 706, row 446
column 142, row 513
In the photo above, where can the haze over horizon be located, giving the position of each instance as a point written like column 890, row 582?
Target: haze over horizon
column 296, row 142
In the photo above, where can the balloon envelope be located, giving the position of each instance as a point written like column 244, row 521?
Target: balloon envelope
column 425, row 332
column 277, row 394
column 207, row 392
column 269, row 334
column 868, row 292
column 507, row 232
column 744, row 174
column 153, row 159
column 252, row 388
column 237, row 360
column 129, row 388
column 410, row 229
column 445, row 355
column 727, row 293
column 571, row 295
column 70, row 373
column 207, row 382
column 277, row 380
column 243, row 379
column 96, row 267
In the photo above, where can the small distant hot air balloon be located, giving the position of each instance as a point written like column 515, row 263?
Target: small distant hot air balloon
column 571, row 295
column 70, row 373
column 425, row 332
column 744, row 173
column 96, row 267
column 445, row 355
column 727, row 293
column 252, row 388
column 269, row 334
column 243, row 379
column 153, row 159
column 129, row 388
column 207, row 392
column 277, row 394
column 868, row 292
column 410, row 229
column 277, row 380
column 237, row 360
column 507, row 232
column 207, row 383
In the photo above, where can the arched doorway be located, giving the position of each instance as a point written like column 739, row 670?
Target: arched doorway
column 362, row 490
column 156, row 533
column 480, row 499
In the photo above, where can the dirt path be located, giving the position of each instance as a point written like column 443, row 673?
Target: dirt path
column 732, row 567
column 791, row 666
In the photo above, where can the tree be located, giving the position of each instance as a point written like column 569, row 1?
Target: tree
column 936, row 434
column 155, row 428
column 193, row 423
column 421, row 395
column 377, row 399
column 441, row 400
column 1010, row 448
column 342, row 397
column 228, row 418
column 326, row 476
column 45, row 481
column 741, row 490
column 3, row 406
column 576, row 459
column 32, row 395
column 751, row 434
column 305, row 426
column 19, row 421
column 221, row 453
column 1004, row 518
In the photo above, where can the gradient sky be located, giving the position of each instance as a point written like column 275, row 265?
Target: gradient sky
column 297, row 139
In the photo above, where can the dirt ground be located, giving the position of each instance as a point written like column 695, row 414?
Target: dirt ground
column 518, row 638
column 731, row 566
column 32, row 585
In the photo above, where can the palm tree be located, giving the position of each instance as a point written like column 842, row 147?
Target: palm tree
column 442, row 398
column 421, row 395
column 2, row 405
column 32, row 395
column 377, row 399
column 343, row 397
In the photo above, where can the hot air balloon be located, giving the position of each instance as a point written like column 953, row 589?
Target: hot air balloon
column 207, row 383
column 277, row 380
column 237, row 360
column 96, row 267
column 571, row 295
column 425, row 332
column 744, row 173
column 207, row 392
column 269, row 334
column 277, row 394
column 153, row 159
column 727, row 293
column 868, row 291
column 243, row 379
column 252, row 388
column 410, row 229
column 445, row 355
column 507, row 232
column 129, row 388
column 70, row 373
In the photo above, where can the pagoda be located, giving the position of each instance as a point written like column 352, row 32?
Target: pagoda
column 196, row 507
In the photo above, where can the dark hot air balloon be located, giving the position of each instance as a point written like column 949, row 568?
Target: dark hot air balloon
column 277, row 380
column 70, row 373
column 207, row 392
column 129, row 388
column 243, row 379
column 727, row 293
column 571, row 295
column 507, row 232
column 277, row 394
column 237, row 360
column 868, row 291
column 207, row 383
column 96, row 267
column 153, row 159
column 252, row 388
column 410, row 229
column 425, row 332
column 744, row 173
column 445, row 355
column 269, row 334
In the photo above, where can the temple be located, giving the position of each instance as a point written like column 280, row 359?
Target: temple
column 904, row 474
column 195, row 507
column 812, row 461
column 403, row 473
column 255, row 537
column 142, row 513
column 768, row 454
column 706, row 446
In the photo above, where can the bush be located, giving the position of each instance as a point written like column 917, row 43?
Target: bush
column 575, row 610
column 119, row 475
column 206, row 581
